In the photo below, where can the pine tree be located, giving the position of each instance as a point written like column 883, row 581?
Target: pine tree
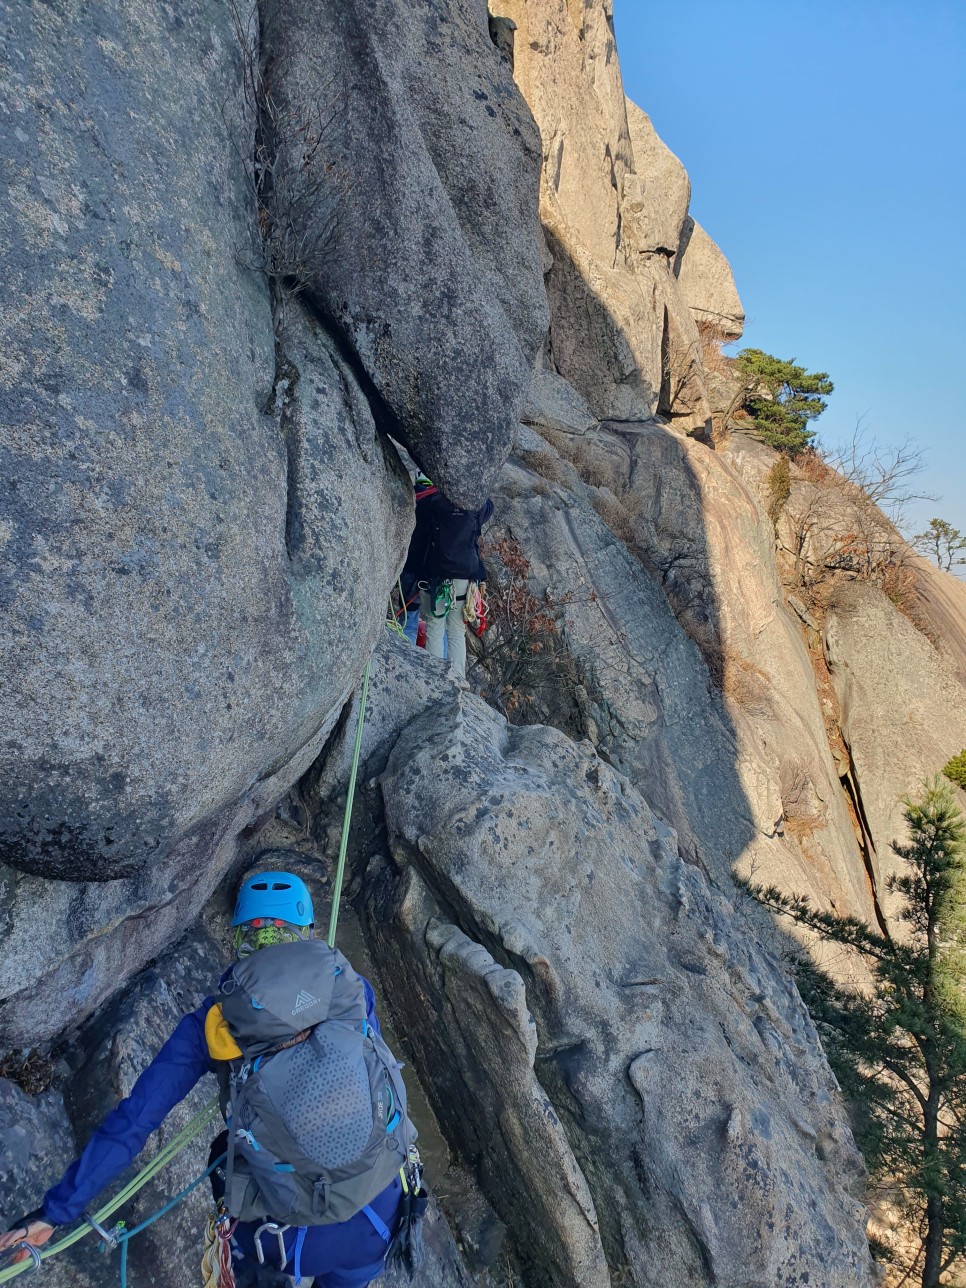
column 782, row 398
column 900, row 1051
column 942, row 542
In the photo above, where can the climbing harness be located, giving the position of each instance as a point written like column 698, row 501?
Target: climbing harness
column 347, row 817
column 439, row 592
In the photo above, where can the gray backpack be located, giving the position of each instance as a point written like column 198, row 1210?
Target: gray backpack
column 315, row 1105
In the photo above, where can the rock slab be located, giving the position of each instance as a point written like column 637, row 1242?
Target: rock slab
column 640, row 1086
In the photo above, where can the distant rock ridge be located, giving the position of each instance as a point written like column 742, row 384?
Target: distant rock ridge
column 632, row 276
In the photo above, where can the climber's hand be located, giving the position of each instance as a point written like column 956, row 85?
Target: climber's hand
column 29, row 1229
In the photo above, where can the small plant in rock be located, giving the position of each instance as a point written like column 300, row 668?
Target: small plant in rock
column 782, row 398
column 33, row 1073
column 955, row 770
column 899, row 1051
column 843, row 523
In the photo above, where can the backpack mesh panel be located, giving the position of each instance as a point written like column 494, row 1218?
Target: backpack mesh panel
column 327, row 1104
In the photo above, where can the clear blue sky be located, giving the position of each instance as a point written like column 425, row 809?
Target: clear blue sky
column 825, row 145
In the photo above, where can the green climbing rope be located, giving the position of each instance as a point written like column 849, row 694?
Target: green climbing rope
column 347, row 817
column 164, row 1156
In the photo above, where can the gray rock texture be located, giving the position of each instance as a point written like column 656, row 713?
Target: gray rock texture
column 903, row 712
column 196, row 519
column 599, row 1011
column 167, row 623
column 36, row 1143
column 708, row 283
column 553, row 403
column 428, row 250
column 656, row 197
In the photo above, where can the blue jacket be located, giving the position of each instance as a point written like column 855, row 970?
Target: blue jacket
column 171, row 1075
column 445, row 541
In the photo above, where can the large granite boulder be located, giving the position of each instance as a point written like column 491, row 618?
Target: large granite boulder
column 657, row 195
column 639, row 1086
column 200, row 517
column 424, row 247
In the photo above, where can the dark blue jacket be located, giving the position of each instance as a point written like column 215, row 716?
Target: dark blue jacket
column 171, row 1075
column 445, row 541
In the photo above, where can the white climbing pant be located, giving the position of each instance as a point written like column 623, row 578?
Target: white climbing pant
column 451, row 627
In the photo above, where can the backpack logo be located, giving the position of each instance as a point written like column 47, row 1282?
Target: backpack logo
column 303, row 1002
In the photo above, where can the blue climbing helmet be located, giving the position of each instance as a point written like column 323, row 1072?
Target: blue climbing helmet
column 271, row 908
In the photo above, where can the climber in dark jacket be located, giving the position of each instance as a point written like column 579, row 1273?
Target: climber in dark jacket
column 444, row 561
column 349, row 1254
column 423, row 491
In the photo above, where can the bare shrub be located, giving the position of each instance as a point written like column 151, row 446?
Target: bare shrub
column 529, row 673
column 32, row 1072
column 779, row 488
column 746, row 684
column 290, row 166
column 880, row 473
column 548, row 465
column 622, row 517
column 594, row 466
column 810, row 465
column 713, row 357
column 836, row 527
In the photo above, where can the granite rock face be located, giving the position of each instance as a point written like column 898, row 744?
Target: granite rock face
column 598, row 1008
column 700, row 688
column 428, row 253
column 708, row 284
column 163, row 648
column 614, row 202
column 903, row 712
column 201, row 499
column 658, row 193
